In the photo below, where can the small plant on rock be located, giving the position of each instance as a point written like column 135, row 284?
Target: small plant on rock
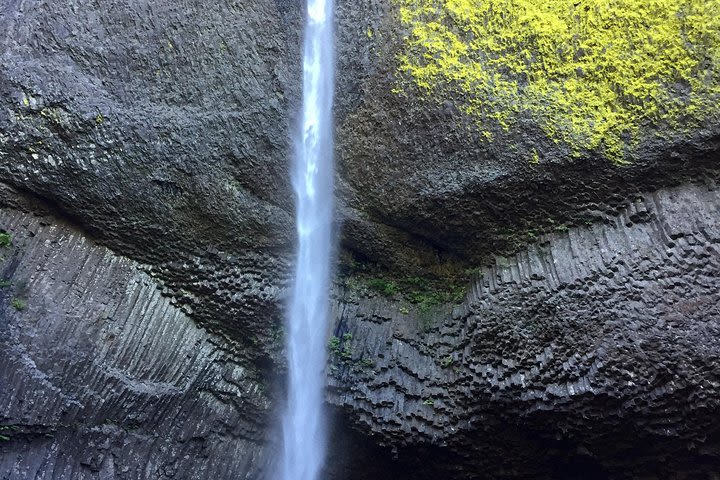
column 346, row 353
column 341, row 349
column 18, row 304
column 383, row 286
column 367, row 363
column 5, row 431
column 334, row 345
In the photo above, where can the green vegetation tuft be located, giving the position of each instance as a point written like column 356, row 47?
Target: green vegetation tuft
column 447, row 361
column 425, row 293
column 18, row 304
column 5, row 240
column 334, row 345
column 341, row 348
column 383, row 286
column 367, row 363
column 591, row 73
column 6, row 431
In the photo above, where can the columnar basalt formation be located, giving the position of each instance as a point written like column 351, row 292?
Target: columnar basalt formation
column 104, row 376
column 563, row 359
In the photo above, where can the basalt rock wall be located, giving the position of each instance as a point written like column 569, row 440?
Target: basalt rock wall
column 104, row 376
column 144, row 158
column 592, row 353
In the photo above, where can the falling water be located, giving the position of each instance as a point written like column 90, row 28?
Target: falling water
column 303, row 425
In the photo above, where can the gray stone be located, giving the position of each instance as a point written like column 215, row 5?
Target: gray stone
column 103, row 377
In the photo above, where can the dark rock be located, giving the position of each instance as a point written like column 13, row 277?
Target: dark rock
column 161, row 131
column 592, row 350
column 103, row 377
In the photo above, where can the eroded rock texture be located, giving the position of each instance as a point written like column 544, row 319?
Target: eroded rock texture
column 149, row 124
column 104, row 377
column 593, row 352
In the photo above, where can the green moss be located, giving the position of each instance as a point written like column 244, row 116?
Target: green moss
column 6, row 431
column 18, row 304
column 383, row 286
column 447, row 361
column 54, row 115
column 425, row 292
column 592, row 73
column 535, row 157
column 367, row 363
column 5, row 240
column 341, row 349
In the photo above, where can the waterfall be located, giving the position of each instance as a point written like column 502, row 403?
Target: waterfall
column 303, row 422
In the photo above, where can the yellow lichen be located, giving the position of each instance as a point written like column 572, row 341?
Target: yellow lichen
column 535, row 157
column 592, row 73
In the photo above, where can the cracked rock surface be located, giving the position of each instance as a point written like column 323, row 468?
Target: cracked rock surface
column 105, row 377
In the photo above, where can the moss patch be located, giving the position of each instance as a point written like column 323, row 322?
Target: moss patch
column 18, row 304
column 591, row 73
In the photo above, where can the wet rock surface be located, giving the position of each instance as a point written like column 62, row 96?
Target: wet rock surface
column 162, row 132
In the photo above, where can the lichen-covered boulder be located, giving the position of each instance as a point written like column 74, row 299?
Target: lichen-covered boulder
column 507, row 116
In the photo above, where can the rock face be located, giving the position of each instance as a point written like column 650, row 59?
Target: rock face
column 87, row 126
column 592, row 352
column 144, row 151
column 104, row 377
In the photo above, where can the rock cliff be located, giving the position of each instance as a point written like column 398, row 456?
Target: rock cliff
column 509, row 304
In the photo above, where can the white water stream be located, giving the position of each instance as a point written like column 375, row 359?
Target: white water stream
column 303, row 422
